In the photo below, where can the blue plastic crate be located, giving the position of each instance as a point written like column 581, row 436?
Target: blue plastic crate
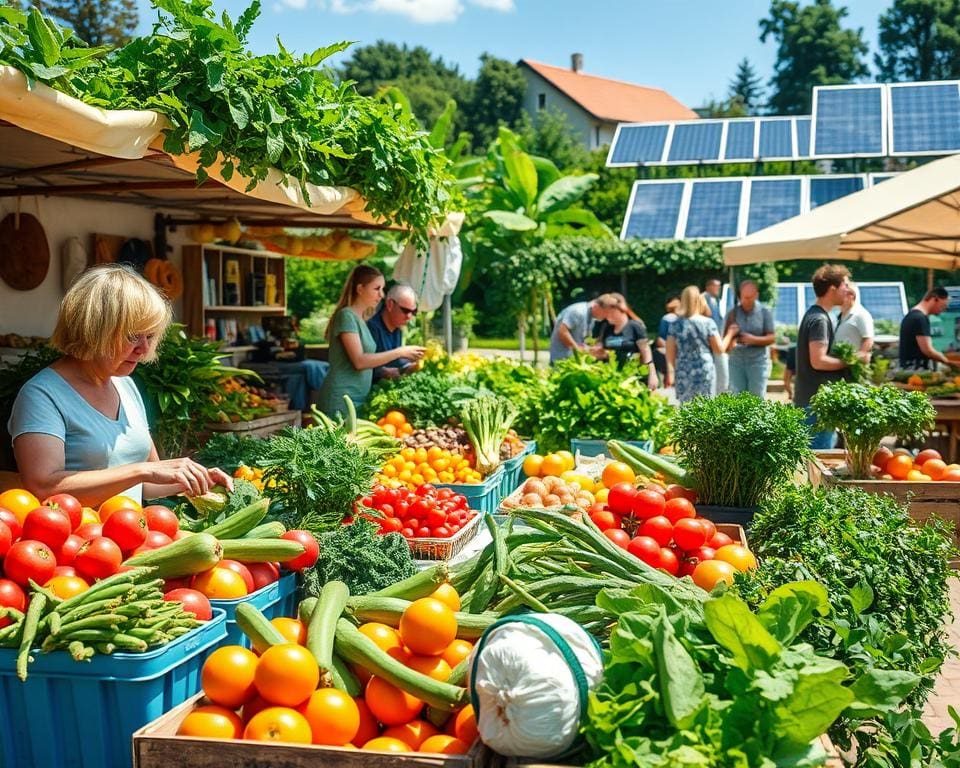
column 599, row 447
column 483, row 497
column 71, row 714
column 513, row 469
column 273, row 600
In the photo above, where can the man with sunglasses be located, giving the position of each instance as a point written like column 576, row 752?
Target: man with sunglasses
column 397, row 309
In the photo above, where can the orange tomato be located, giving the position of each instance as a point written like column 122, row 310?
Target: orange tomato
column 278, row 724
column 553, row 465
column 219, row 584
column 617, row 472
column 465, row 725
column 533, row 465
column 709, row 573
column 898, row 466
column 389, row 704
column 292, row 629
column 925, row 455
column 444, row 745
column 935, row 468
column 286, row 674
column 569, row 462
column 386, row 638
column 369, row 727
column 20, row 502
column 387, row 744
column 447, row 595
column 66, row 587
column 89, row 515
column 737, row 555
column 427, row 627
column 227, row 676
column 456, row 652
column 916, row 476
column 396, row 418
column 333, row 717
column 413, row 734
column 951, row 476
column 211, row 722
column 431, row 666
column 114, row 503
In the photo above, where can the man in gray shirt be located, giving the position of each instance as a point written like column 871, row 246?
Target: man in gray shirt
column 572, row 328
column 750, row 358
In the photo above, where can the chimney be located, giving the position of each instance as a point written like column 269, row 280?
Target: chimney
column 576, row 62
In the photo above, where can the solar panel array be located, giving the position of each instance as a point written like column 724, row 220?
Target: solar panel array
column 884, row 301
column 725, row 208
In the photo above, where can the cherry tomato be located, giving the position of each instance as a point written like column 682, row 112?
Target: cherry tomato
column 29, row 559
column 411, row 522
column 658, row 528
column 669, row 561
column 6, row 539
column 676, row 509
column 12, row 523
column 689, row 533
column 98, row 558
column 444, row 494
column 425, row 490
column 645, row 548
column 436, row 517
column 442, row 532
column 719, row 540
column 68, row 505
column 618, row 536
column 263, row 574
column 407, row 533
column 11, row 596
column 390, row 525
column 310, row 546
column 193, row 601
column 159, row 518
column 423, row 532
column 49, row 525
column 647, row 504
column 620, row 498
column 675, row 491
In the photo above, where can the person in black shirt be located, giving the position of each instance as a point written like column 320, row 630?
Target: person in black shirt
column 815, row 364
column 395, row 311
column 624, row 334
column 916, row 349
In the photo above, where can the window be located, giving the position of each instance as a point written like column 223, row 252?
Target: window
column 597, row 142
column 541, row 101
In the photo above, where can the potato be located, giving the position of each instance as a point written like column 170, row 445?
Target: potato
column 531, row 500
column 535, row 485
column 551, row 500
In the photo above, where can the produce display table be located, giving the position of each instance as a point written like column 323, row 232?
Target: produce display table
column 261, row 427
column 948, row 414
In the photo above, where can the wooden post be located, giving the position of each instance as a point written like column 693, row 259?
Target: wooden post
column 929, row 279
column 447, row 324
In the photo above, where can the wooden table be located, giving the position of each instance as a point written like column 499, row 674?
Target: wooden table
column 948, row 414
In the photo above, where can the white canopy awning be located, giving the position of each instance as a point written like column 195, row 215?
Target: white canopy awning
column 910, row 220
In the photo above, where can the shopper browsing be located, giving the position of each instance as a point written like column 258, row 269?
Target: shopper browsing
column 399, row 308
column 916, row 346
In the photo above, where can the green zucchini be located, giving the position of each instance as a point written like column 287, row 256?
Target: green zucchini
column 646, row 462
column 323, row 625
column 240, row 522
column 272, row 530
column 422, row 584
column 185, row 557
column 261, row 550
column 388, row 610
column 257, row 627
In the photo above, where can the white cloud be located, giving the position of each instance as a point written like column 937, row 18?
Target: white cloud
column 418, row 11
column 504, row 6
column 297, row 5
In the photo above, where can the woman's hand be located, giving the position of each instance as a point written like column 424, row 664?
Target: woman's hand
column 411, row 352
column 195, row 479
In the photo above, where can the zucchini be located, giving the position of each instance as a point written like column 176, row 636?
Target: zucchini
column 261, row 550
column 422, row 584
column 272, row 530
column 240, row 522
column 646, row 462
column 185, row 557
column 357, row 648
column 305, row 610
column 258, row 628
column 458, row 676
column 388, row 610
column 344, row 679
column 323, row 625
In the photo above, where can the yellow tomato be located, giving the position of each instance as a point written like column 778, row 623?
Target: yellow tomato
column 601, row 495
column 569, row 461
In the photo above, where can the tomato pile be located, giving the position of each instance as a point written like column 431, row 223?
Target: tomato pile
column 426, row 512
column 661, row 527
column 901, row 464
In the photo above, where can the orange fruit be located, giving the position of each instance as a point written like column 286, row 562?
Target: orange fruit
column 396, row 418
column 709, row 573
column 601, row 495
column 66, row 587
column 412, row 734
column 389, row 704
column 387, row 744
column 20, row 502
column 211, row 722
column 553, row 466
column 227, row 676
column 114, row 503
column 333, row 717
column 293, row 630
column 456, row 652
column 898, row 466
column 935, row 468
column 925, row 455
column 533, row 465
column 286, row 674
column 389, row 429
column 386, row 638
column 737, row 555
column 465, row 725
column 444, row 745
column 278, row 724
column 617, row 472
column 219, row 583
column 431, row 666
column 427, row 627
column 447, row 595
column 369, row 727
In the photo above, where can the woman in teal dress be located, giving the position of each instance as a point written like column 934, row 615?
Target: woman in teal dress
column 353, row 352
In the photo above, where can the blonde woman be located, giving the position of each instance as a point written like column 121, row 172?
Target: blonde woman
column 692, row 341
column 79, row 426
column 624, row 335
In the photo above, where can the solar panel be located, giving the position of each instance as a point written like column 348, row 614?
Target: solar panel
column 695, row 141
column 772, row 201
column 876, row 178
column 809, row 297
column 848, row 121
column 785, row 309
column 925, row 118
column 714, row 210
column 654, row 210
column 803, row 136
column 776, row 139
column 883, row 301
column 636, row 144
column 740, row 135
column 824, row 189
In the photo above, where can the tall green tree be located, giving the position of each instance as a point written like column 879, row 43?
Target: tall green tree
column 919, row 40
column 96, row 22
column 497, row 99
column 746, row 88
column 812, row 49
column 549, row 134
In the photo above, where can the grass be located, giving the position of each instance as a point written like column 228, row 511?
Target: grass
column 513, row 343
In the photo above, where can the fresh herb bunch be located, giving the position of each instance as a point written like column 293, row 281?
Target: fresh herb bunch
column 860, row 371
column 739, row 450
column 865, row 414
column 518, row 382
column 585, row 398
column 228, row 451
column 426, row 399
column 317, row 475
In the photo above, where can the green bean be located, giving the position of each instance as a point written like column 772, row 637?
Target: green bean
column 100, row 621
column 112, row 586
column 81, row 612
column 30, row 622
column 527, row 598
column 130, row 643
column 105, row 648
column 52, row 599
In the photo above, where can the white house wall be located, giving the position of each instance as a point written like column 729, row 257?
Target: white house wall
column 581, row 121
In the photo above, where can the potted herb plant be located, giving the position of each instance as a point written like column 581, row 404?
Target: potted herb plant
column 865, row 414
column 463, row 319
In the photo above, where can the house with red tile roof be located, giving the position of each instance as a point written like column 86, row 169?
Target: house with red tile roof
column 595, row 105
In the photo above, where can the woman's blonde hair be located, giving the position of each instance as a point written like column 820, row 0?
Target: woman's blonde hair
column 359, row 276
column 104, row 307
column 692, row 303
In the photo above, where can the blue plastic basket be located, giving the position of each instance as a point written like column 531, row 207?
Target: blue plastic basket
column 483, row 497
column 273, row 600
column 599, row 447
column 71, row 714
column 513, row 469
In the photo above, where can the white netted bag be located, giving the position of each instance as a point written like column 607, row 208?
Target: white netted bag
column 529, row 679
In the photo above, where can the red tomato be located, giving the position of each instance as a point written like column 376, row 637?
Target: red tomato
column 689, row 533
column 29, row 559
column 669, row 561
column 407, row 533
column 675, row 491
column 51, row 526
column 242, row 569
column 69, row 549
column 618, row 536
column 442, row 532
column 620, row 498
column 181, row 534
column 12, row 523
column 390, row 525
column 445, row 493
column 67, row 504
column 90, row 531
column 425, row 490
column 156, row 539
column 658, row 528
column 6, row 539
column 386, row 510
column 159, row 518
column 702, row 553
column 64, row 570
column 436, row 517
column 719, row 540
column 127, row 527
column 411, row 522
column 646, row 549
column 655, row 487
column 423, row 532
column 11, row 596
column 193, row 601
column 310, row 546
column 647, row 504
column 183, row 582
column 709, row 527
column 679, row 508
column 263, row 574
column 98, row 558
column 605, row 519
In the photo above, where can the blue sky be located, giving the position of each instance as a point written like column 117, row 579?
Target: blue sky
column 688, row 47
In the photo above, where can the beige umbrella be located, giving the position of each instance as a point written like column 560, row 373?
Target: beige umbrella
column 910, row 220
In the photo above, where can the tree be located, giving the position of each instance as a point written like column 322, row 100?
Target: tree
column 745, row 88
column 550, row 134
column 812, row 49
column 919, row 40
column 497, row 99
column 96, row 22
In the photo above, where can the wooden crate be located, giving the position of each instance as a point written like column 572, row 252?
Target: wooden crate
column 157, row 745
column 735, row 532
column 260, row 427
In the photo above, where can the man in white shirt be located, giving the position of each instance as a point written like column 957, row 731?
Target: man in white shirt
column 855, row 324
